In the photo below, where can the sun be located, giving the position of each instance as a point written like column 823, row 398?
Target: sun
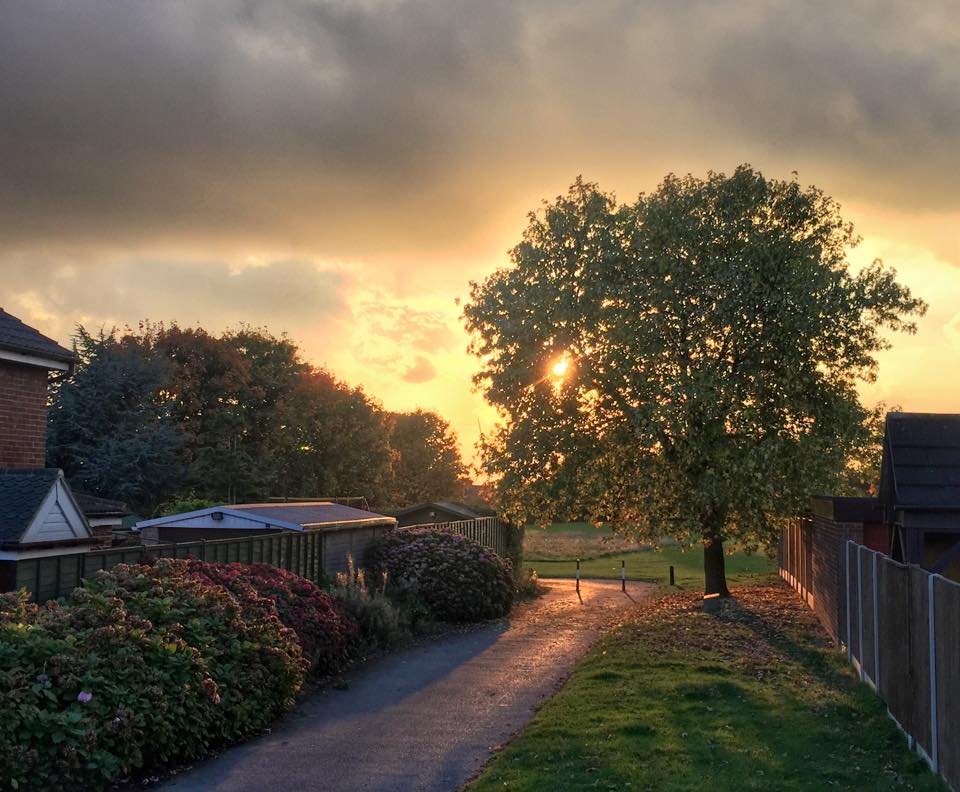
column 560, row 367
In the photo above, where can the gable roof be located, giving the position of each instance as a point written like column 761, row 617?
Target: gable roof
column 921, row 461
column 460, row 510
column 19, row 338
column 22, row 493
column 95, row 506
column 28, row 494
column 288, row 516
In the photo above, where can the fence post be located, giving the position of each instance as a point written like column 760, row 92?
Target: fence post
column 860, row 610
column 932, row 632
column 578, row 576
column 876, row 628
column 846, row 566
column 623, row 575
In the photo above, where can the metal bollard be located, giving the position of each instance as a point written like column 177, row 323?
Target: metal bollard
column 623, row 575
column 671, row 575
column 578, row 576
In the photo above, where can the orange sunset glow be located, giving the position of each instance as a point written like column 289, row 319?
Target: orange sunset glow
column 341, row 171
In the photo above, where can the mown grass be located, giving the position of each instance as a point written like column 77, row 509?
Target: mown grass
column 654, row 564
column 553, row 551
column 753, row 698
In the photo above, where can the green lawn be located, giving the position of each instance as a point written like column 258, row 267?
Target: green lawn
column 577, row 528
column 754, row 698
column 553, row 551
column 654, row 564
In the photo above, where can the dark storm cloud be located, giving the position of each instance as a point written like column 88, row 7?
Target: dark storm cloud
column 368, row 127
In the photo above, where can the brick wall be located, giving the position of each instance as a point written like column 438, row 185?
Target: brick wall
column 811, row 560
column 23, row 415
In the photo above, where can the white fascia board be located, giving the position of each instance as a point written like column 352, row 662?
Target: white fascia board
column 34, row 360
column 42, row 552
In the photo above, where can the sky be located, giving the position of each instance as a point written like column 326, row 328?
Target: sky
column 341, row 170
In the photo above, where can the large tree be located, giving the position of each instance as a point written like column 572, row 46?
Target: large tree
column 428, row 466
column 684, row 365
column 110, row 429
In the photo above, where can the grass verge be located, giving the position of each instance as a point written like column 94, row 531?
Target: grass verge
column 753, row 698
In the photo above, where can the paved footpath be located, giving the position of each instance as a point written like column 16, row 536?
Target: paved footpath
column 427, row 717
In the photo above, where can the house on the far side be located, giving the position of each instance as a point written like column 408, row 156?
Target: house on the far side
column 104, row 515
column 433, row 512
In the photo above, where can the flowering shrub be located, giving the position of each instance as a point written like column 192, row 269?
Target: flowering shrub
column 328, row 636
column 454, row 576
column 143, row 666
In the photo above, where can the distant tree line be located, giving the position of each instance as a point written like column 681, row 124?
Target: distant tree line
column 163, row 413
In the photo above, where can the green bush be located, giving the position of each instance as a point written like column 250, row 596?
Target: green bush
column 142, row 667
column 456, row 578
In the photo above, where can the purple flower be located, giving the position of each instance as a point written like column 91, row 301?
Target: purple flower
column 84, row 696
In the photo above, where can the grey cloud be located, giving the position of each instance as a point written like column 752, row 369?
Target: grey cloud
column 284, row 296
column 373, row 128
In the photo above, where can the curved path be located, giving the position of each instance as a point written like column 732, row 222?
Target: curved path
column 427, row 717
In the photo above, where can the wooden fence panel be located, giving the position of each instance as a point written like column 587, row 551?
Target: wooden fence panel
column 947, row 619
column 894, row 684
column 918, row 677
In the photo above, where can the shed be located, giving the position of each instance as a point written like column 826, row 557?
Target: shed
column 920, row 489
column 432, row 512
column 345, row 531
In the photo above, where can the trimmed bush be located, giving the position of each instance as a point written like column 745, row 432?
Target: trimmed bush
column 328, row 636
column 454, row 576
column 143, row 667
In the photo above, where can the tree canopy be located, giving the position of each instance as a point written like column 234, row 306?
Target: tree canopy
column 682, row 365
column 164, row 414
column 428, row 465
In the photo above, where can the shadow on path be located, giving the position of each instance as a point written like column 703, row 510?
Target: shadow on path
column 427, row 717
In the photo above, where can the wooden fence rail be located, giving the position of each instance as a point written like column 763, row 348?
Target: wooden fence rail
column 305, row 554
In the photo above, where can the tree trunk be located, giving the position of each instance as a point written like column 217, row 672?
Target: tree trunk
column 714, row 572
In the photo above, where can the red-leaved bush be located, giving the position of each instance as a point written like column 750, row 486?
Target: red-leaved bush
column 455, row 577
column 328, row 637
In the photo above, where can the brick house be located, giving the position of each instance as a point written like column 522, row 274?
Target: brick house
column 39, row 515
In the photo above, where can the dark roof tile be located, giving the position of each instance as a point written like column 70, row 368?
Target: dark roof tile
column 923, row 451
column 15, row 336
column 95, row 506
column 21, row 494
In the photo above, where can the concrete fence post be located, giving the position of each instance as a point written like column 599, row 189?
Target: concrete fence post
column 932, row 632
column 860, row 610
column 876, row 627
column 846, row 566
